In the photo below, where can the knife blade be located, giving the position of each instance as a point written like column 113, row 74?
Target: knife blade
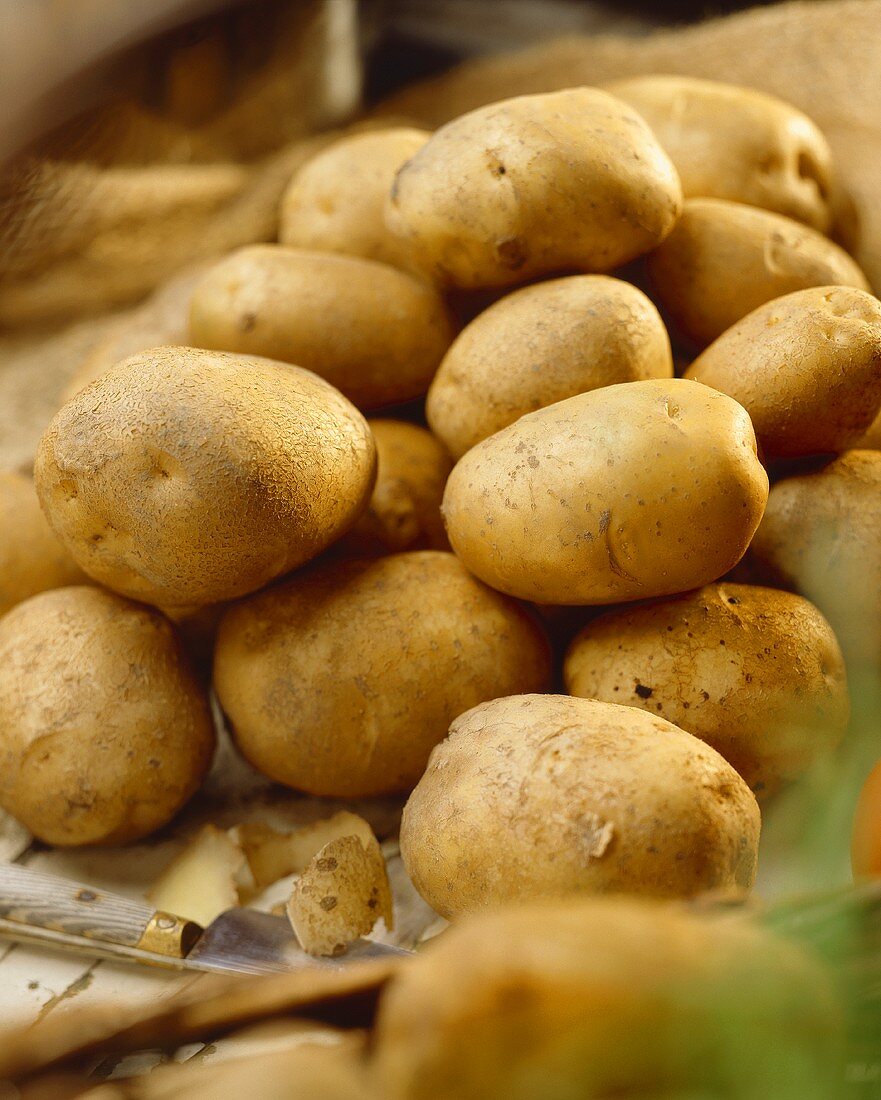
column 43, row 909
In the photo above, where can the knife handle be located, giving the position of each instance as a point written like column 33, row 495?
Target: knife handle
column 40, row 901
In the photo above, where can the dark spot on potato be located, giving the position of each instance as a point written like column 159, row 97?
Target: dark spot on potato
column 248, row 322
column 511, row 252
column 326, row 863
column 642, row 691
column 328, row 903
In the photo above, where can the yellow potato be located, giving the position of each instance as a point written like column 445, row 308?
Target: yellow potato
column 806, row 367
column 188, row 477
column 542, row 344
column 594, row 998
column 341, row 680
column 32, row 558
column 871, row 441
column 336, row 201
column 545, row 795
column 104, row 731
column 374, row 332
column 755, row 672
column 731, row 142
column 725, row 259
column 404, row 510
column 533, row 185
column 821, row 536
column 636, row 490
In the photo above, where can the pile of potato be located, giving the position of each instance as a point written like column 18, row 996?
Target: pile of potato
column 531, row 271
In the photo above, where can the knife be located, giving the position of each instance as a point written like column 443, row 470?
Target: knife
column 48, row 911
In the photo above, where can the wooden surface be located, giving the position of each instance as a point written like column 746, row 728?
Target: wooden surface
column 35, row 983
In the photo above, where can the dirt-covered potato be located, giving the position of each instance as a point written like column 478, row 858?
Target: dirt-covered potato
column 731, row 142
column 104, row 730
column 32, row 558
column 546, row 795
column 725, row 259
column 630, row 491
column 821, row 536
column 187, row 477
column 755, row 672
column 341, row 680
column 373, row 331
column 534, row 185
column 594, row 998
column 542, row 344
column 806, row 367
column 336, row 202
column 404, row 510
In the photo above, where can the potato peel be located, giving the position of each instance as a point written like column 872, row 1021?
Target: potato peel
column 273, row 855
column 202, row 881
column 340, row 896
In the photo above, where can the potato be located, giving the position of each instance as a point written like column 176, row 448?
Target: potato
column 32, row 559
column 104, row 730
column 542, row 344
column 201, row 882
column 273, row 855
column 341, row 680
column 374, row 332
column 546, row 795
column 806, row 367
column 821, row 536
column 731, row 142
column 187, row 477
column 755, row 672
column 865, row 845
column 607, row 997
column 336, row 202
column 871, row 440
column 533, row 185
column 636, row 490
column 724, row 259
column 340, row 896
column 404, row 510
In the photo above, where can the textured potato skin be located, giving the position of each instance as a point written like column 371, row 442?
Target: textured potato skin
column 546, row 795
column 374, row 332
column 631, row 491
column 404, row 510
column 336, row 201
column 32, row 558
column 188, row 477
column 732, row 142
column 725, row 259
column 534, row 185
column 104, row 730
column 755, row 672
column 590, row 998
column 542, row 344
column 342, row 679
column 821, row 536
column 806, row 367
